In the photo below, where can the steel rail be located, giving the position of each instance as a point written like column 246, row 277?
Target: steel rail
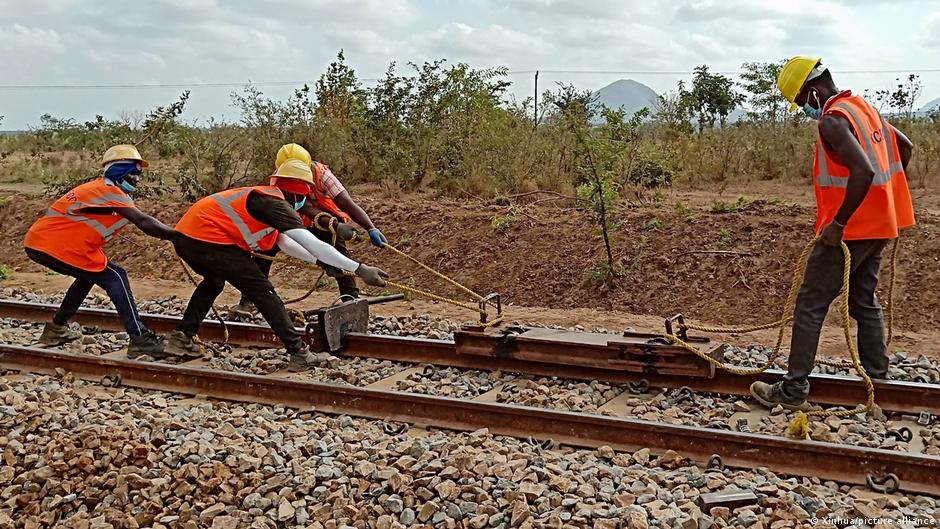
column 890, row 395
column 917, row 473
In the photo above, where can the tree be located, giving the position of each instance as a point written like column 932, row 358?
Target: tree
column 339, row 94
column 759, row 80
column 712, row 98
column 906, row 95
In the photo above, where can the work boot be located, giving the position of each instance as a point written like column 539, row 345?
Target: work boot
column 55, row 334
column 771, row 395
column 181, row 345
column 305, row 359
column 244, row 309
column 148, row 344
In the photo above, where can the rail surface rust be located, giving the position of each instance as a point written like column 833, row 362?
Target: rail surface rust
column 842, row 463
column 897, row 396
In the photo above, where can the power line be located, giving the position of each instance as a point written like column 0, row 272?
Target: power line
column 309, row 82
column 689, row 72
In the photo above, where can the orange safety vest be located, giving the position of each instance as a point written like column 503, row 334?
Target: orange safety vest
column 318, row 193
column 887, row 207
column 75, row 236
column 223, row 218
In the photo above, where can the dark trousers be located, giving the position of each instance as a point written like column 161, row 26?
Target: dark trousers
column 218, row 264
column 113, row 279
column 346, row 283
column 821, row 285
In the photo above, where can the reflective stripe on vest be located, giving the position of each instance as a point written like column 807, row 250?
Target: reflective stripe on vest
column 250, row 238
column 825, row 179
column 105, row 232
column 72, row 213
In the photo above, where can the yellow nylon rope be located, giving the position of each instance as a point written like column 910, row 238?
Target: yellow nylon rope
column 799, row 426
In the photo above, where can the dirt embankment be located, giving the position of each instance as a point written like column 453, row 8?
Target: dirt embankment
column 544, row 256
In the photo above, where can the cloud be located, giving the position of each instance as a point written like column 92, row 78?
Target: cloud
column 931, row 30
column 17, row 39
column 316, row 16
column 492, row 45
column 581, row 9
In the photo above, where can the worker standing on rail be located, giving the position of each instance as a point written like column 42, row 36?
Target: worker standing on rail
column 862, row 198
column 69, row 238
column 218, row 235
column 327, row 214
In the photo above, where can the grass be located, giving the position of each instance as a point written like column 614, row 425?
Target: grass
column 405, row 241
column 719, row 206
column 6, row 272
column 502, row 222
column 597, row 273
column 653, row 224
column 684, row 210
column 724, row 237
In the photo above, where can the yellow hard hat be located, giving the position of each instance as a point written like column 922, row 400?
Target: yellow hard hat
column 294, row 170
column 292, row 151
column 123, row 152
column 794, row 74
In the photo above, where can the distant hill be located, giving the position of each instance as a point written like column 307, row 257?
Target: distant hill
column 630, row 95
column 930, row 105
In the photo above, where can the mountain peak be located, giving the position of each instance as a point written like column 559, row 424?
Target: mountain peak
column 628, row 94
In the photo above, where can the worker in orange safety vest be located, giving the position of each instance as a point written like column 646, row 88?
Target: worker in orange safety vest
column 69, row 237
column 862, row 198
column 328, row 213
column 219, row 234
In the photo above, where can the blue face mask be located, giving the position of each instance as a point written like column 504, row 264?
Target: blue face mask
column 300, row 204
column 127, row 186
column 812, row 113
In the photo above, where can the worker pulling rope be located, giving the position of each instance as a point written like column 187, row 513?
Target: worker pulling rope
column 416, row 291
column 799, row 426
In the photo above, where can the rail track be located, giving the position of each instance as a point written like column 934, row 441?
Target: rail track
column 914, row 473
column 897, row 396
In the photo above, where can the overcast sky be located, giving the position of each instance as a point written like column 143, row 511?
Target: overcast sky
column 82, row 42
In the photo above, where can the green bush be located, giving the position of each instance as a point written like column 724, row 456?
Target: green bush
column 451, row 128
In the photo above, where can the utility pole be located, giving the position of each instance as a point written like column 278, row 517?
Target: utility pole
column 535, row 100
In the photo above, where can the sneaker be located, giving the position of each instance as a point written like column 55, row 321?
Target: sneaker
column 771, row 395
column 181, row 345
column 148, row 344
column 305, row 359
column 55, row 334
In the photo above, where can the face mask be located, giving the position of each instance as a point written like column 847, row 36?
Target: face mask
column 300, row 204
column 812, row 113
column 127, row 186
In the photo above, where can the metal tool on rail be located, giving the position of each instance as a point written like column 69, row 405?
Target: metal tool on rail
column 483, row 303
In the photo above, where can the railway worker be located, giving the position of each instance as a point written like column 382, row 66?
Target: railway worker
column 69, row 238
column 217, row 236
column 862, row 198
column 327, row 214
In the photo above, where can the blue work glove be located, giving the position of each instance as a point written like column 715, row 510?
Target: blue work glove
column 377, row 238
